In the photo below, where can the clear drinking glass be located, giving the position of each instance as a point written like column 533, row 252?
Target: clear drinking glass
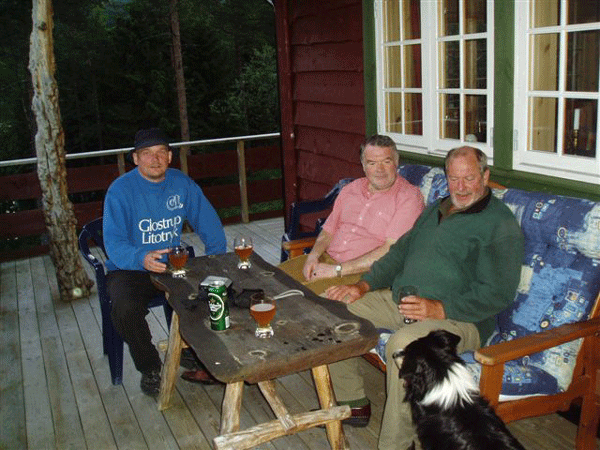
column 262, row 310
column 178, row 256
column 407, row 291
column 242, row 245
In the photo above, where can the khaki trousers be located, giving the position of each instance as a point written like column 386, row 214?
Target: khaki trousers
column 397, row 431
column 293, row 267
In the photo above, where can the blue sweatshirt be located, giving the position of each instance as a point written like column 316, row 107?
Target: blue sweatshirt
column 141, row 216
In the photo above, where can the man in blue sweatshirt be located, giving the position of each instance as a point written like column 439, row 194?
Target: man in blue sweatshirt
column 144, row 212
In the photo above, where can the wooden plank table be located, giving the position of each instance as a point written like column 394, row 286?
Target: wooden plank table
column 309, row 333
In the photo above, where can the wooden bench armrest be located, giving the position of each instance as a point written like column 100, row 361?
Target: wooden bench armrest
column 375, row 361
column 296, row 247
column 493, row 357
column 533, row 343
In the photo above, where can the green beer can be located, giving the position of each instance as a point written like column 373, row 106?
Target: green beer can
column 218, row 305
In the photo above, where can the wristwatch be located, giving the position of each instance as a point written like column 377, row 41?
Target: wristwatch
column 338, row 270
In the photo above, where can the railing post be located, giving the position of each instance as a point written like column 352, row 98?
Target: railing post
column 121, row 163
column 183, row 154
column 243, row 183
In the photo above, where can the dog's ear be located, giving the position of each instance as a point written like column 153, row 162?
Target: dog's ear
column 398, row 356
column 446, row 339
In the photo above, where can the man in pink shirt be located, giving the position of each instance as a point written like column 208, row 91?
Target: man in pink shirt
column 368, row 216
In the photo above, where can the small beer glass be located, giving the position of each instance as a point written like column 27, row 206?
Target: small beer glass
column 242, row 245
column 407, row 291
column 178, row 256
column 262, row 310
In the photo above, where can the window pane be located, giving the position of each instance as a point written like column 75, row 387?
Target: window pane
column 449, row 54
column 391, row 25
column 545, row 62
column 393, row 112
column 412, row 66
column 411, row 12
column 475, row 118
column 583, row 11
column 393, row 74
column 475, row 16
column 450, row 109
column 448, row 12
column 413, row 106
column 582, row 61
column 543, row 119
column 580, row 127
column 475, row 64
column 545, row 13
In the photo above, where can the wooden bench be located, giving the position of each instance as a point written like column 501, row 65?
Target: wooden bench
column 557, row 303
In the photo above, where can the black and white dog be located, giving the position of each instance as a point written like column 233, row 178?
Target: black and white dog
column 446, row 407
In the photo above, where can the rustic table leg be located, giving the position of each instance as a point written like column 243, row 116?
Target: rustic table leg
column 270, row 393
column 335, row 433
column 232, row 403
column 171, row 365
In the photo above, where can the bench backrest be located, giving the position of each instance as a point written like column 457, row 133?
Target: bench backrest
column 560, row 276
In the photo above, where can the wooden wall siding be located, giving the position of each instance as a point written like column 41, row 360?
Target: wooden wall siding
column 328, row 93
column 344, row 88
column 346, row 118
column 345, row 56
column 331, row 143
column 346, row 14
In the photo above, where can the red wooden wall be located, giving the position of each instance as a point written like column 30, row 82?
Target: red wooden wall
column 322, row 93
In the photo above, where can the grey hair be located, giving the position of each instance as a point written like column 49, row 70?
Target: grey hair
column 379, row 140
column 464, row 151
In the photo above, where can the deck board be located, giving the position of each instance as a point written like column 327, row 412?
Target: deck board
column 38, row 415
column 56, row 391
column 12, row 402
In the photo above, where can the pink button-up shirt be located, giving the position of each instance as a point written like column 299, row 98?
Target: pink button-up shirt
column 362, row 220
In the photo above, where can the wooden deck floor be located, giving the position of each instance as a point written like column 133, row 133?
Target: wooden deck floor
column 55, row 389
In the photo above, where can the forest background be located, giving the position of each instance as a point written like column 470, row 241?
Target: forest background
column 115, row 73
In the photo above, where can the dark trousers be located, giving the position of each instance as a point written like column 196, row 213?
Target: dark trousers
column 130, row 292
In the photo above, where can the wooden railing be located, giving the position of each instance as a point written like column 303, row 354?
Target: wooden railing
column 232, row 178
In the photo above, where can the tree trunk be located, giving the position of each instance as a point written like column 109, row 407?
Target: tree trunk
column 177, row 61
column 60, row 219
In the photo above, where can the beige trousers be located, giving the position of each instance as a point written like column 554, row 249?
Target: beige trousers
column 397, row 431
column 293, row 267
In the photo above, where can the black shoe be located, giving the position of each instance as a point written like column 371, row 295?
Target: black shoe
column 360, row 417
column 150, row 382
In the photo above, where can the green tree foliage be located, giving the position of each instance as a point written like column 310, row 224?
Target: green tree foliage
column 114, row 70
column 15, row 99
column 251, row 106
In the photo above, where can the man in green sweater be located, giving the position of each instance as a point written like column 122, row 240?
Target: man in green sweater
column 463, row 256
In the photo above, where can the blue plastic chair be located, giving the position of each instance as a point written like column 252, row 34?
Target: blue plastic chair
column 112, row 342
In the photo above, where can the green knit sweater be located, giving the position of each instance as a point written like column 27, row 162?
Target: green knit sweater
column 470, row 261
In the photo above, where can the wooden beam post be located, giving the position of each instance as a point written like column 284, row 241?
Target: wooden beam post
column 286, row 105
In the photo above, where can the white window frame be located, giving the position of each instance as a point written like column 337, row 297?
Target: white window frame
column 549, row 163
column 430, row 143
